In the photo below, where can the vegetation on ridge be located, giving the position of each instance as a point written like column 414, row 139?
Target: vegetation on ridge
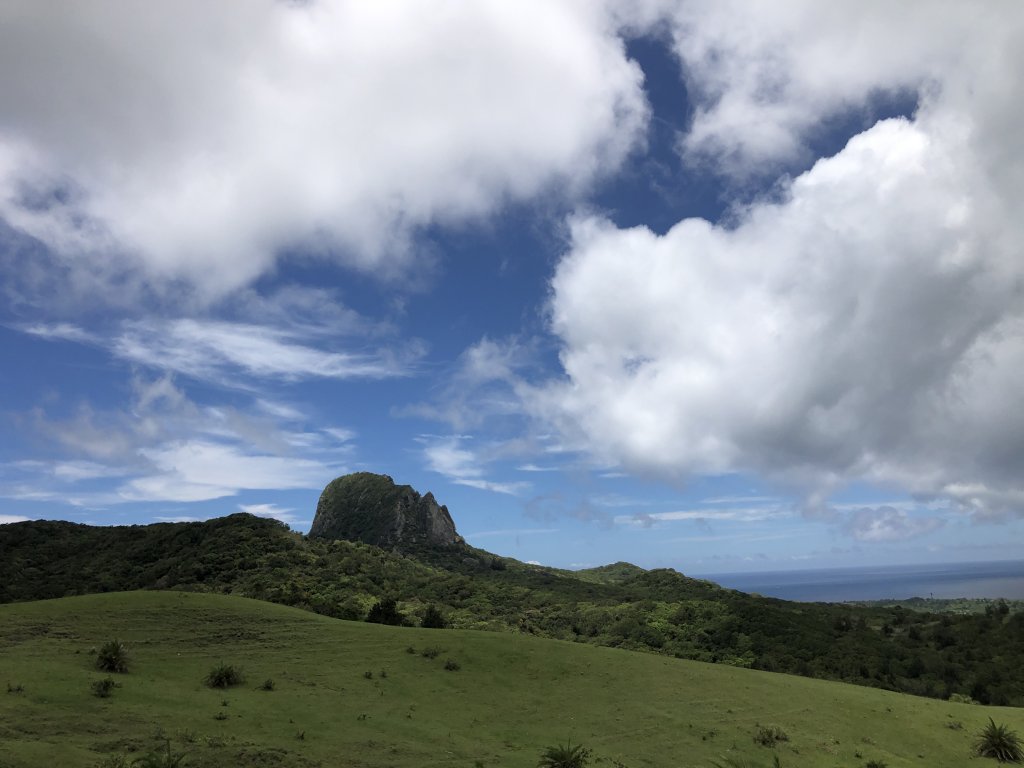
column 974, row 657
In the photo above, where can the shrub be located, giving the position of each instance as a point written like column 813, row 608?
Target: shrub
column 224, row 676
column 452, row 666
column 430, row 653
column 18, row 688
column 268, row 685
column 385, row 612
column 433, row 618
column 567, row 756
column 770, row 735
column 368, row 675
column 876, row 764
column 103, row 688
column 999, row 742
column 410, row 649
column 114, row 761
column 961, row 698
column 112, row 657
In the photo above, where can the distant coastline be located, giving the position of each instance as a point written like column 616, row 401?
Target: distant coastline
column 971, row 580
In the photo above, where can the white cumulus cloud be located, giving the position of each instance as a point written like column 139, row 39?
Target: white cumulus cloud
column 865, row 324
column 198, row 141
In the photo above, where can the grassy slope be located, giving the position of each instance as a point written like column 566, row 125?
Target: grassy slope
column 513, row 695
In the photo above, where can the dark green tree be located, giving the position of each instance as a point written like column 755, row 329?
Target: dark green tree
column 433, row 618
column 385, row 611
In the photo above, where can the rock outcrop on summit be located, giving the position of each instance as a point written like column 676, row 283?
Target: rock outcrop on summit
column 370, row 508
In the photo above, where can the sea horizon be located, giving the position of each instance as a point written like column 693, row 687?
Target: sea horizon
column 994, row 579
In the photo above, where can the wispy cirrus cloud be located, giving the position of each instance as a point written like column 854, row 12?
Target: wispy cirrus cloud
column 886, row 523
column 224, row 352
column 59, row 331
column 215, row 350
column 199, row 470
column 163, row 447
column 734, row 514
column 450, row 456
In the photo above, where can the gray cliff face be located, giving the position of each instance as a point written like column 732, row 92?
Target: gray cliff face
column 371, row 508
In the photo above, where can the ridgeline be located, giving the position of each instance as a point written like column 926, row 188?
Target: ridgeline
column 978, row 657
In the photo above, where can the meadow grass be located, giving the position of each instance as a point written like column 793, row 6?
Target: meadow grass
column 512, row 696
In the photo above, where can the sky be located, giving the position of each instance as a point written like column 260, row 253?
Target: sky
column 716, row 285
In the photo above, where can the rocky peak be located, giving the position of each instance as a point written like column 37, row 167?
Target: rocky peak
column 371, row 508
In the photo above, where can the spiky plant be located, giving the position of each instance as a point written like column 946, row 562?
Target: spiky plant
column 567, row 756
column 999, row 742
column 224, row 676
column 112, row 657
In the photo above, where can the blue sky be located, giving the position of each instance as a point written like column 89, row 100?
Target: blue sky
column 716, row 286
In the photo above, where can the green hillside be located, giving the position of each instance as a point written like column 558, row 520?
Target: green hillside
column 660, row 611
column 510, row 696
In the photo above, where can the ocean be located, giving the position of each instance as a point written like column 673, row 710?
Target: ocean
column 993, row 579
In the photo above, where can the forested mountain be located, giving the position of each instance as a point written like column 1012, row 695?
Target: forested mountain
column 979, row 656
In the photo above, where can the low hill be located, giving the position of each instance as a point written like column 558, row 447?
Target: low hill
column 659, row 611
column 357, row 694
column 615, row 573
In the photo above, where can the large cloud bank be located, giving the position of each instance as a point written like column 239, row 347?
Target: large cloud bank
column 196, row 141
column 865, row 324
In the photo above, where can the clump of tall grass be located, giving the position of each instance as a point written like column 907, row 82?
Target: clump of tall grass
column 567, row 756
column 224, row 676
column 999, row 742
column 112, row 657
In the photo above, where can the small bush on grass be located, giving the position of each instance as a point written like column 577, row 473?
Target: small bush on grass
column 224, row 676
column 17, row 688
column 268, row 685
column 999, row 742
column 961, row 698
column 161, row 758
column 769, row 735
column 876, row 764
column 452, row 666
column 567, row 756
column 103, row 688
column 112, row 657
column 114, row 761
column 430, row 653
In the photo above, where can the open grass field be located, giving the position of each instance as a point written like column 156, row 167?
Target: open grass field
column 352, row 694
